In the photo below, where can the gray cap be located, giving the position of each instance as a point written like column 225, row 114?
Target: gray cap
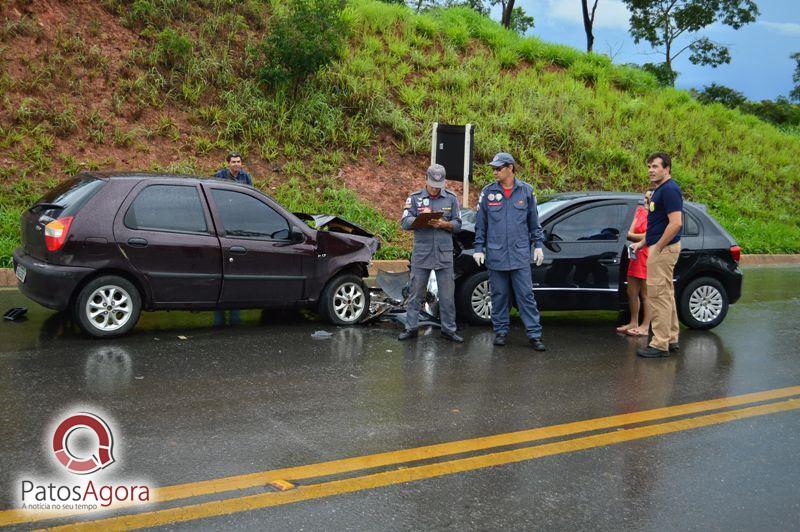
column 502, row 159
column 436, row 173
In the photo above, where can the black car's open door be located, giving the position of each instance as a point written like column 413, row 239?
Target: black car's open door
column 583, row 254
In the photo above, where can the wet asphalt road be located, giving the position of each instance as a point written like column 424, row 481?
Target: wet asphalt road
column 264, row 395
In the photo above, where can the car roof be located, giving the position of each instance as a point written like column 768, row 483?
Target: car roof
column 605, row 195
column 111, row 174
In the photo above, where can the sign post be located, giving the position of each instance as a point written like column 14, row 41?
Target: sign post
column 452, row 146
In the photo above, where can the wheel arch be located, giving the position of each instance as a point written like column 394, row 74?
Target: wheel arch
column 128, row 276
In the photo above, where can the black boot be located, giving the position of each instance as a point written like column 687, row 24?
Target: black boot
column 499, row 339
column 537, row 344
column 453, row 337
column 408, row 334
column 651, row 352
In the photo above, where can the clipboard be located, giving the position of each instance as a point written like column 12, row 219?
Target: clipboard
column 421, row 221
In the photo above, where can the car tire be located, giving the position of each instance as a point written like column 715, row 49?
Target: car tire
column 472, row 299
column 345, row 300
column 703, row 303
column 122, row 303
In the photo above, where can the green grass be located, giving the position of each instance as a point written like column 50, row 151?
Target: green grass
column 574, row 121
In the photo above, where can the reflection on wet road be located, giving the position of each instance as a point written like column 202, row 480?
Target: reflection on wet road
column 265, row 395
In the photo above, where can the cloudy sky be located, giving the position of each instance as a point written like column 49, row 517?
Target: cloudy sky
column 760, row 66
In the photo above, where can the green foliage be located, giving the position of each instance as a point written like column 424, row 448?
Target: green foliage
column 780, row 112
column 521, row 22
column 661, row 23
column 795, row 94
column 721, row 94
column 172, row 49
column 574, row 121
column 307, row 36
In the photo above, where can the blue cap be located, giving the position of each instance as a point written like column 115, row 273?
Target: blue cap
column 502, row 159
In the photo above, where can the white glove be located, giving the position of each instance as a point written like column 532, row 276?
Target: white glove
column 538, row 256
column 480, row 258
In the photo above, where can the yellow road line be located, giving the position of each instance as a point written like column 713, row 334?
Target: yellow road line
column 337, row 487
column 346, row 465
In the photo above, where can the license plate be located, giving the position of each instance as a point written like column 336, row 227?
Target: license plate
column 21, row 273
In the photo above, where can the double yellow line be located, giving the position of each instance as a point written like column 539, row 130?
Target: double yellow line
column 780, row 400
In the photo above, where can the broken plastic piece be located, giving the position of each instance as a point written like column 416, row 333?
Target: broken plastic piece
column 15, row 313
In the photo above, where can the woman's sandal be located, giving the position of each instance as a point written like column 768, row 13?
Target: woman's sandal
column 635, row 331
column 623, row 328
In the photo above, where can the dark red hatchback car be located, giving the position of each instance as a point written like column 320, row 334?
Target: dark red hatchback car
column 108, row 245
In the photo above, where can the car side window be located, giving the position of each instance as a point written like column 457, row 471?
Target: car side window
column 172, row 208
column 597, row 223
column 690, row 225
column 245, row 216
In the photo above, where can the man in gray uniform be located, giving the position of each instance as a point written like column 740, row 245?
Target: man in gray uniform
column 433, row 251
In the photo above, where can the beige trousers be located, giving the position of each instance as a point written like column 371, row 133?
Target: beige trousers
column 661, row 296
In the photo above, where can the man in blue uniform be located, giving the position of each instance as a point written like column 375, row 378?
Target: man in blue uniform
column 433, row 251
column 234, row 171
column 506, row 224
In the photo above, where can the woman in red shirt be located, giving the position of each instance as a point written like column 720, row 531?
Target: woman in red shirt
column 637, row 274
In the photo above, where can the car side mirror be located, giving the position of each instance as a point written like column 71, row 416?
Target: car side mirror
column 296, row 235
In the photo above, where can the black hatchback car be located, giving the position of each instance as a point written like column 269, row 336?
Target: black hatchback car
column 585, row 266
column 108, row 245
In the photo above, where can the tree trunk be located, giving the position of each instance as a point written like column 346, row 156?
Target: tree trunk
column 508, row 7
column 588, row 22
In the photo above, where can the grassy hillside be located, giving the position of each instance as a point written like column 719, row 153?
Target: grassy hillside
column 171, row 84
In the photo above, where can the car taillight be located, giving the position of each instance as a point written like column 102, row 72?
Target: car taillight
column 736, row 251
column 55, row 233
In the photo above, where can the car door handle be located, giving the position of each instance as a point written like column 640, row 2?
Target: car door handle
column 238, row 250
column 686, row 253
column 137, row 242
column 615, row 260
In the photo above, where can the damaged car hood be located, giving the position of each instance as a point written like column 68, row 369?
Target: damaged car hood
column 341, row 227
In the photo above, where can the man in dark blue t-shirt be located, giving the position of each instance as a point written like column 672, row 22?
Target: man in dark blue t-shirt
column 663, row 237
column 234, row 171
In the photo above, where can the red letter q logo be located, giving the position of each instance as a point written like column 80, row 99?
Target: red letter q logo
column 99, row 459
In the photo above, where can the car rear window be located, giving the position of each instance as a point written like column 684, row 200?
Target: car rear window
column 67, row 198
column 690, row 225
column 172, row 208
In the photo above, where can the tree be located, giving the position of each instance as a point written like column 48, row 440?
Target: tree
column 520, row 21
column 721, row 94
column 508, row 10
column 588, row 22
column 795, row 94
column 662, row 22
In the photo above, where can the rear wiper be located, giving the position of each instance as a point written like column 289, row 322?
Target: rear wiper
column 45, row 206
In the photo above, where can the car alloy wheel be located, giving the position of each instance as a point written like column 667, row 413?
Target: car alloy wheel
column 705, row 303
column 109, row 308
column 481, row 300
column 349, row 302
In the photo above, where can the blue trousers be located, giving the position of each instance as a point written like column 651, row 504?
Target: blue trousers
column 501, row 284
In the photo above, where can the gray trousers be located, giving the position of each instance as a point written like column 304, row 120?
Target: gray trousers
column 447, row 304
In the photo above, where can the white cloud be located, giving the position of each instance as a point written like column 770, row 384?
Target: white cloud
column 786, row 28
column 610, row 13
